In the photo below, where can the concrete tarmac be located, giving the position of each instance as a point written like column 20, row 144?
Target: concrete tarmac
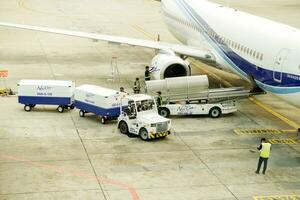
column 48, row 155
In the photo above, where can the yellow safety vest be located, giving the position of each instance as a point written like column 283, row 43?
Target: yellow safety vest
column 265, row 150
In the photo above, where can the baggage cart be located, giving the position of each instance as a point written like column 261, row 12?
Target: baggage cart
column 46, row 92
column 101, row 101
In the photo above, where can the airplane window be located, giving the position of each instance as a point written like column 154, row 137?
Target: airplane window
column 261, row 56
column 254, row 54
column 239, row 47
column 242, row 48
column 257, row 55
column 248, row 50
column 235, row 45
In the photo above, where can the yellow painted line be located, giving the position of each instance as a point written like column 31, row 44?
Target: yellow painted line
column 240, row 131
column 276, row 114
column 253, row 99
column 258, row 131
column 289, row 131
column 284, row 141
column 148, row 35
column 215, row 76
column 226, row 83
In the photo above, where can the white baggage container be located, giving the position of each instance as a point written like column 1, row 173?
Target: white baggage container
column 46, row 92
column 98, row 100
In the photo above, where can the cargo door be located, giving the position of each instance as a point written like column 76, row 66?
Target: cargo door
column 278, row 65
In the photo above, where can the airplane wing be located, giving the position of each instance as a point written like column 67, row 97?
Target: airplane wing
column 163, row 46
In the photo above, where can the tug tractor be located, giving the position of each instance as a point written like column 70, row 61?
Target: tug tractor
column 139, row 116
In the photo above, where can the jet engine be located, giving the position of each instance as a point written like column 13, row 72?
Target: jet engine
column 167, row 66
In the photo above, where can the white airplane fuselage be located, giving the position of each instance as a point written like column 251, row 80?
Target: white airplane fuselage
column 245, row 44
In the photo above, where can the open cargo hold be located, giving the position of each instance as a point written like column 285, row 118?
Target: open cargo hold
column 46, row 92
column 98, row 100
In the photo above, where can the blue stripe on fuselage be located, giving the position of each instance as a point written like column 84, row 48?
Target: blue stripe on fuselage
column 289, row 84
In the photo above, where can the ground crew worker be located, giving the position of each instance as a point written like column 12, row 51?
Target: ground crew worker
column 147, row 74
column 264, row 148
column 137, row 86
column 159, row 99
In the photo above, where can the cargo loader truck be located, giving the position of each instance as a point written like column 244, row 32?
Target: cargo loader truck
column 191, row 95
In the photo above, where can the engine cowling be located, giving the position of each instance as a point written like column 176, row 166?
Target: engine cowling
column 167, row 66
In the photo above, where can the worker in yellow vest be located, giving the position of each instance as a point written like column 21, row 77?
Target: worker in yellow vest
column 265, row 149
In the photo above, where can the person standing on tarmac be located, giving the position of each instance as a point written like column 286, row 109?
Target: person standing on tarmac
column 147, row 74
column 159, row 99
column 122, row 89
column 265, row 149
column 137, row 86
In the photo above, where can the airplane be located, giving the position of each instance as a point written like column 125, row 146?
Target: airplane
column 261, row 51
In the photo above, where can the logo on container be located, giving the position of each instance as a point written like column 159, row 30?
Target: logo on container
column 42, row 88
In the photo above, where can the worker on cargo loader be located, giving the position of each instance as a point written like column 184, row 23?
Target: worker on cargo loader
column 137, row 86
column 147, row 74
column 159, row 99
column 265, row 149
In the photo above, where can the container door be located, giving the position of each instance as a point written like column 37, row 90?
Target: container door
column 278, row 66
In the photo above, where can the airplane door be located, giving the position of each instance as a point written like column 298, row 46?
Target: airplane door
column 278, row 66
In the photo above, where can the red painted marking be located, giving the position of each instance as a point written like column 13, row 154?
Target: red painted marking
column 58, row 169
column 3, row 73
